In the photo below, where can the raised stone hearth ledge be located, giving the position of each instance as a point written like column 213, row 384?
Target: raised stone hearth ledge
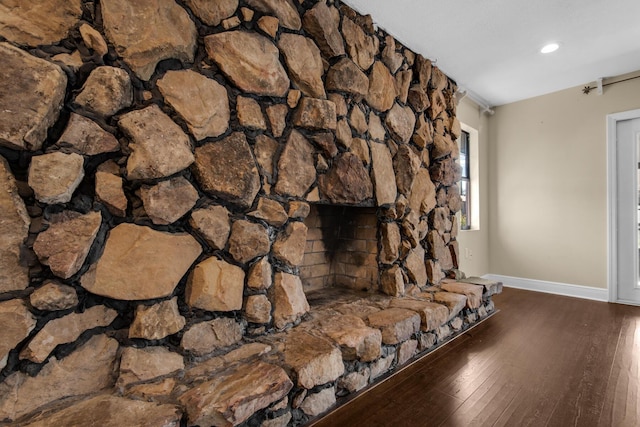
column 158, row 160
column 348, row 341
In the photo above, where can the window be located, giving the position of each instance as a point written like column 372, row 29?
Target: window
column 465, row 181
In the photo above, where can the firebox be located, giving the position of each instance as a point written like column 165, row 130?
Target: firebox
column 341, row 249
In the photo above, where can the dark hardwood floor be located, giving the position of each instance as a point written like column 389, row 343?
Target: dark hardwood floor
column 543, row 360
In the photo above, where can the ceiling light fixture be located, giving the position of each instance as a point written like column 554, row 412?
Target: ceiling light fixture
column 551, row 47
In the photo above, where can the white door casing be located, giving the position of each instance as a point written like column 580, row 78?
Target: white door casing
column 623, row 136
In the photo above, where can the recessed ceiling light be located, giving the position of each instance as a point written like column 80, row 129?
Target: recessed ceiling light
column 551, row 47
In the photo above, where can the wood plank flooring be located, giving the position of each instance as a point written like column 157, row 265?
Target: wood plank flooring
column 543, row 360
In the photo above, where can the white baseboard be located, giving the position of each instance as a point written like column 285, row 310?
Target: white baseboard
column 577, row 291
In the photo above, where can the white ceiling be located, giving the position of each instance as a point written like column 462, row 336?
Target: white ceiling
column 492, row 47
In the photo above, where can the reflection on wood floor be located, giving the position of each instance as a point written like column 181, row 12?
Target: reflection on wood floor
column 543, row 360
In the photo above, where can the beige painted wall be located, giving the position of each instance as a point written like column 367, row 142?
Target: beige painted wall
column 547, row 181
column 475, row 243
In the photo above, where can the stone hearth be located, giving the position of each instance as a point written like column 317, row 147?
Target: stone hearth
column 161, row 166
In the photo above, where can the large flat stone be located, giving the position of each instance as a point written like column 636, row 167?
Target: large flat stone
column 65, row 330
column 232, row 396
column 111, row 411
column 65, row 244
column 355, row 338
column 145, row 33
column 432, row 315
column 454, row 302
column 35, row 23
column 202, row 102
column 396, row 324
column 139, row 263
column 250, row 60
column 17, row 323
column 160, row 147
column 315, row 360
column 14, row 229
column 227, row 169
column 32, row 92
column 86, row 370
column 144, row 364
column 491, row 287
column 472, row 292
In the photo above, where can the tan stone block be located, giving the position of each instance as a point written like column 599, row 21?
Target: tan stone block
column 258, row 309
column 145, row 364
column 259, row 276
column 234, row 395
column 290, row 243
column 85, row 371
column 248, row 240
column 396, row 324
column 215, row 285
column 432, row 315
column 206, row 337
column 392, row 282
column 64, row 330
column 212, row 223
column 250, row 114
column 454, row 302
column 406, row 351
column 315, row 360
column 355, row 338
column 269, row 25
column 157, row 321
column 290, row 302
column 472, row 292
column 243, row 55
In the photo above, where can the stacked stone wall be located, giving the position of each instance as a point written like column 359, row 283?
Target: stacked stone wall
column 158, row 159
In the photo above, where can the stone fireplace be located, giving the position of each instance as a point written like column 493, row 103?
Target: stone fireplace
column 219, row 213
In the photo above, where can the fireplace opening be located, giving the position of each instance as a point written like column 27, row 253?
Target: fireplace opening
column 341, row 249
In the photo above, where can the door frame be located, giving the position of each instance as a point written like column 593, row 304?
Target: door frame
column 612, row 207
